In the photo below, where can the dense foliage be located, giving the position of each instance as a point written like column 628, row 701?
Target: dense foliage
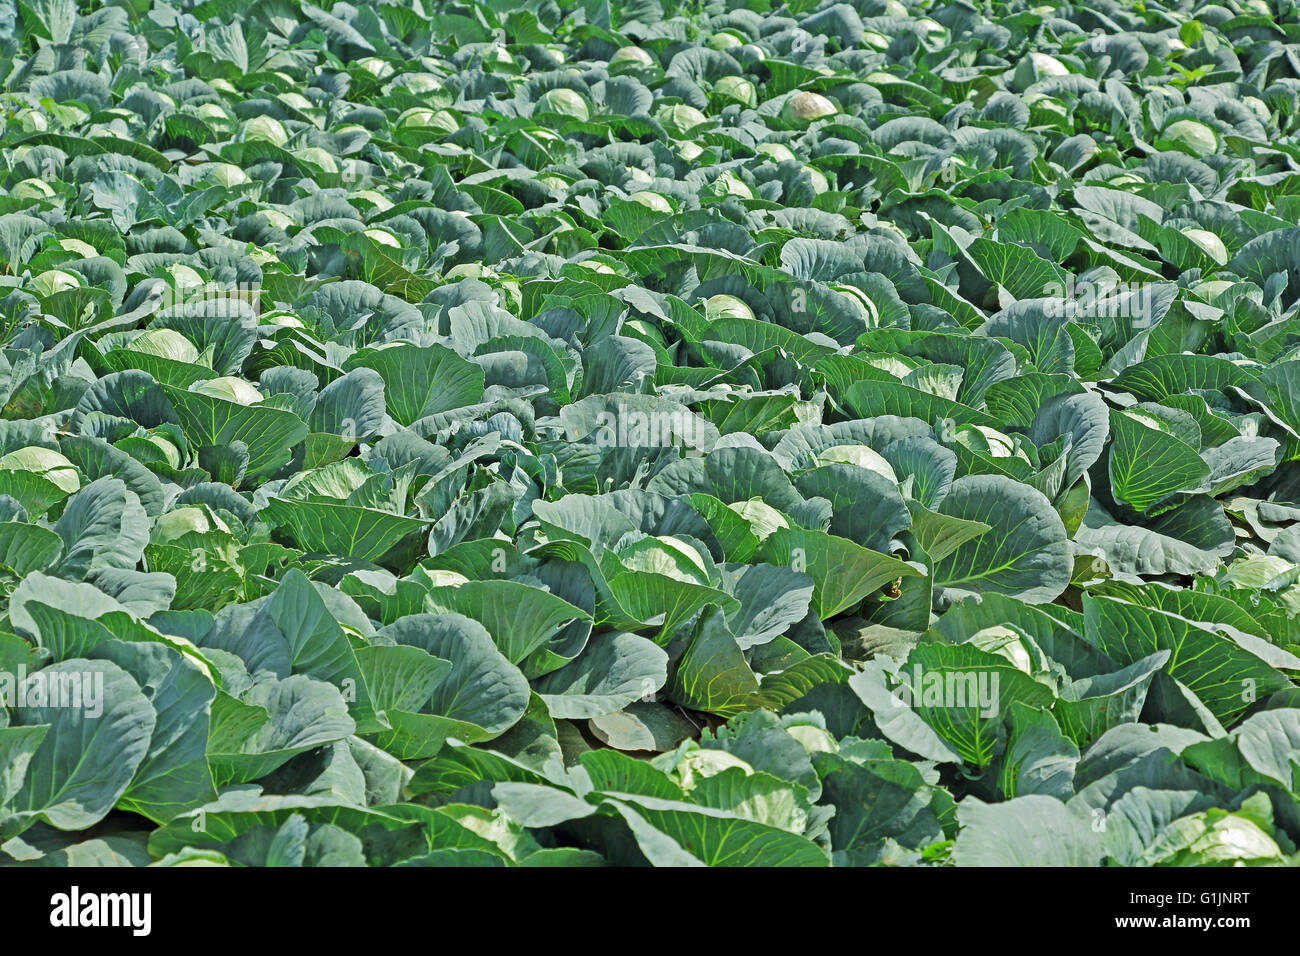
column 583, row 431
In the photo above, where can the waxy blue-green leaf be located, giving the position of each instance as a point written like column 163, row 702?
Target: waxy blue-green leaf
column 269, row 433
column 419, row 382
column 612, row 671
column 558, row 436
column 273, row 721
column 99, row 726
column 332, row 527
column 1224, row 676
column 1025, row 554
column 1032, row 830
column 1148, row 463
column 843, row 573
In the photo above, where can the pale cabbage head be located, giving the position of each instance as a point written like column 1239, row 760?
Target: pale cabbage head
column 564, row 102
column 723, row 306
column 165, row 343
column 45, row 462
column 806, row 107
column 229, row 388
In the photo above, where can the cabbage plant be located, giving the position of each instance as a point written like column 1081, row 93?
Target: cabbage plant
column 806, row 434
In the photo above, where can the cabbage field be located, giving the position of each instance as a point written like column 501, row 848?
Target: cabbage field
column 668, row 432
